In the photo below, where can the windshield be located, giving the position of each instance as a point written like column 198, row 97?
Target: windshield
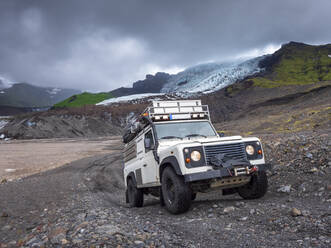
column 184, row 129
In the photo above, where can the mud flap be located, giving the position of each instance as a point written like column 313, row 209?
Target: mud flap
column 126, row 196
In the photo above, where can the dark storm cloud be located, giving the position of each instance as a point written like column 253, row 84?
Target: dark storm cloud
column 103, row 44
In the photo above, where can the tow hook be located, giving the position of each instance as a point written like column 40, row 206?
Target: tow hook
column 253, row 169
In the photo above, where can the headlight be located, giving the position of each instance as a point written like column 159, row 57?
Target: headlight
column 195, row 156
column 250, row 150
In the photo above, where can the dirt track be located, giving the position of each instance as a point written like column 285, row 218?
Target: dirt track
column 82, row 205
column 20, row 158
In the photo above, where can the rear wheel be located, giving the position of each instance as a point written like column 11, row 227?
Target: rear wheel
column 135, row 195
column 256, row 188
column 176, row 193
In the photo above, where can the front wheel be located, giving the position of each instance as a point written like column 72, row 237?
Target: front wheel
column 256, row 188
column 177, row 195
column 135, row 195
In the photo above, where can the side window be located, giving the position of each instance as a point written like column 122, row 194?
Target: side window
column 149, row 141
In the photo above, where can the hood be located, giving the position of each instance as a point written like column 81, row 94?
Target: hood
column 194, row 140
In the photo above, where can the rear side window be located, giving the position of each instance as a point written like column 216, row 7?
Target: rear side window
column 149, row 135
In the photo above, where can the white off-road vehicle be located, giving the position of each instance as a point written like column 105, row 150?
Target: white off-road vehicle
column 172, row 151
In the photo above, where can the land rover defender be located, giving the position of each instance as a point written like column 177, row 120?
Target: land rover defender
column 172, row 151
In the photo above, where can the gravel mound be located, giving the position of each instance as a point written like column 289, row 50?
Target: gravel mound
column 60, row 126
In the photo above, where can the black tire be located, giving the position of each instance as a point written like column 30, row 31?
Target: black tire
column 256, row 188
column 176, row 193
column 135, row 195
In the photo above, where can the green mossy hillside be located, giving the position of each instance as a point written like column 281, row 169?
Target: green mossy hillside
column 83, row 99
column 295, row 64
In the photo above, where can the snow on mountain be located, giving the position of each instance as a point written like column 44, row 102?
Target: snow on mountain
column 210, row 77
column 54, row 91
column 3, row 123
column 129, row 98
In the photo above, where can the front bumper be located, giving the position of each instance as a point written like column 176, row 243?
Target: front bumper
column 218, row 174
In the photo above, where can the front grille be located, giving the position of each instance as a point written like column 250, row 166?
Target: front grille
column 235, row 151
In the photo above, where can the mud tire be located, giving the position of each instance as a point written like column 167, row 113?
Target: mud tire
column 176, row 193
column 135, row 195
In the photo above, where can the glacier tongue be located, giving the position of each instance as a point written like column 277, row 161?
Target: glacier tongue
column 210, row 77
column 129, row 98
column 197, row 80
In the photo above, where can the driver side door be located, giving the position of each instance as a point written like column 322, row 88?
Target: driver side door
column 149, row 166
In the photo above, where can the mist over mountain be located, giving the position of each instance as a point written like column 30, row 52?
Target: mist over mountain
column 151, row 84
column 24, row 95
column 4, row 83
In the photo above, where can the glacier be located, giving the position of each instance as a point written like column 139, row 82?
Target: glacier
column 3, row 121
column 207, row 78
column 198, row 80
column 129, row 98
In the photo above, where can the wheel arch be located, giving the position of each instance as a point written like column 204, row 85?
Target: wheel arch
column 173, row 163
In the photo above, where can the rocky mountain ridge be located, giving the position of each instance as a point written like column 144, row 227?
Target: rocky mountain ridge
column 24, row 95
column 151, row 84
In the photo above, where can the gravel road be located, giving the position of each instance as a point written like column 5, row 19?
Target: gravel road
column 20, row 158
column 82, row 205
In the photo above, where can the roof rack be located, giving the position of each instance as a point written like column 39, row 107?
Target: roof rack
column 176, row 110
column 165, row 111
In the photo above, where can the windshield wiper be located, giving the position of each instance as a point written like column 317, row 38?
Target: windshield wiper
column 195, row 135
column 171, row 137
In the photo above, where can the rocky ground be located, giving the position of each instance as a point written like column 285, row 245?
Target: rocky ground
column 82, row 205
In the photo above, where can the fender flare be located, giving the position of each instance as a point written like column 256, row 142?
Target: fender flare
column 170, row 161
column 132, row 176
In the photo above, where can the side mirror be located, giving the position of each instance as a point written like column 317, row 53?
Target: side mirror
column 148, row 144
column 221, row 134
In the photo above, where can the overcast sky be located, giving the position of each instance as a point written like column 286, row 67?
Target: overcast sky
column 100, row 45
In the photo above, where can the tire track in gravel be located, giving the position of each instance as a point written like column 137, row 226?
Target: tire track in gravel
column 104, row 178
